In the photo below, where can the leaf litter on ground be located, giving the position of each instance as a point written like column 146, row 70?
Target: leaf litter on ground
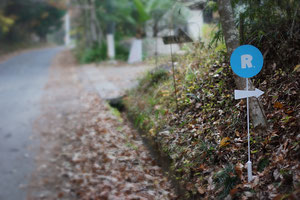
column 86, row 151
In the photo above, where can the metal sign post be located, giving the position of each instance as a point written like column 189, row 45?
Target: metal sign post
column 249, row 163
column 246, row 61
column 181, row 37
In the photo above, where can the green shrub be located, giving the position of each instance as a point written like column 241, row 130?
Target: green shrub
column 225, row 180
column 94, row 54
column 99, row 53
column 262, row 164
column 122, row 53
column 152, row 78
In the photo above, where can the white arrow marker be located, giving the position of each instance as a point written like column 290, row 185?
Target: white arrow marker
column 240, row 94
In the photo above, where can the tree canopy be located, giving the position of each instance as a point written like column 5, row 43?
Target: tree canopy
column 30, row 16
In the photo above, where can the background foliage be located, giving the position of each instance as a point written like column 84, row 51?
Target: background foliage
column 21, row 19
column 126, row 19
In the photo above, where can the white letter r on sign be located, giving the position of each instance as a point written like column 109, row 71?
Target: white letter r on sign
column 246, row 60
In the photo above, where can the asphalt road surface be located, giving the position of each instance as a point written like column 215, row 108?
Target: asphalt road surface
column 22, row 79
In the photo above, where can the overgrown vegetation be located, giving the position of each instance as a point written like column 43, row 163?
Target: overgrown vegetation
column 99, row 53
column 272, row 26
column 225, row 180
column 94, row 54
column 206, row 137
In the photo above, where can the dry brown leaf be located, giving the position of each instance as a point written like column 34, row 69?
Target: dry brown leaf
column 239, row 170
column 201, row 167
column 201, row 190
column 278, row 197
column 60, row 195
column 233, row 192
column 297, row 68
column 237, row 134
column 224, row 142
column 189, row 186
column 278, row 105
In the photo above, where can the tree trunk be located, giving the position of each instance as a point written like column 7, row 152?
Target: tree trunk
column 96, row 31
column 231, row 35
column 84, row 21
column 87, row 34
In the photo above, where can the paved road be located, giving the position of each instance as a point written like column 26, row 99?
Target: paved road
column 22, row 79
column 112, row 81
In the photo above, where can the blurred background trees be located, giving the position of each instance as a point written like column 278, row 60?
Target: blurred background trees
column 29, row 20
column 271, row 25
column 125, row 19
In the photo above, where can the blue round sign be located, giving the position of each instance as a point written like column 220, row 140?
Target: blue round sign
column 246, row 61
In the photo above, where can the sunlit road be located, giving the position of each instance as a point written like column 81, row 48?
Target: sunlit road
column 22, row 79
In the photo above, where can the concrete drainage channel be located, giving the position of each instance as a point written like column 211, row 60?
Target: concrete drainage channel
column 117, row 103
column 163, row 160
column 102, row 80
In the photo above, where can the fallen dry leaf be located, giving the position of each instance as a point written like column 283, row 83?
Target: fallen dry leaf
column 224, row 142
column 201, row 190
column 278, row 105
